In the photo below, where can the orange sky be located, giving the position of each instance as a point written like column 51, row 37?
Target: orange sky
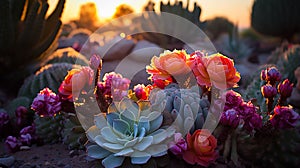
column 237, row 11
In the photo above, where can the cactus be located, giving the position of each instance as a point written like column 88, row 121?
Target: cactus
column 67, row 55
column 49, row 129
column 218, row 26
column 49, row 76
column 178, row 9
column 165, row 23
column 290, row 62
column 73, row 133
column 280, row 149
column 276, row 17
column 26, row 35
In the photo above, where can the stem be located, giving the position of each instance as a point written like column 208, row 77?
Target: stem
column 269, row 103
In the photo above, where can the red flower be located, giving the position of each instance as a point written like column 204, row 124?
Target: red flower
column 201, row 148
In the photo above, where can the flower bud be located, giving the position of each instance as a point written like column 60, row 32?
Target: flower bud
column 273, row 75
column 21, row 113
column 95, row 61
column 268, row 91
column 285, row 88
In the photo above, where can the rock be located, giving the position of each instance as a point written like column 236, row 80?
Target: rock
column 7, row 161
column 116, row 49
column 297, row 76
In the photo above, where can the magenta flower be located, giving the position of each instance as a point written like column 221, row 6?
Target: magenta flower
column 21, row 113
column 253, row 121
column 28, row 130
column 233, row 100
column 285, row 89
column 273, row 75
column 230, row 118
column 4, row 118
column 95, row 61
column 12, row 144
column 284, row 117
column 179, row 145
column 268, row 91
column 46, row 103
column 140, row 92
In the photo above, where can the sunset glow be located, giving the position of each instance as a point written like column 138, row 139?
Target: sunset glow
column 238, row 11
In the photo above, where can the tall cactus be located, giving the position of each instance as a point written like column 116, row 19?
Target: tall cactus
column 276, row 17
column 25, row 34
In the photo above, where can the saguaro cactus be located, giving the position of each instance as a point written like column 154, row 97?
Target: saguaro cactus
column 276, row 17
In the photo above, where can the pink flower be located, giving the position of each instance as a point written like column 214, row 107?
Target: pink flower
column 201, row 148
column 263, row 74
column 75, row 81
column 119, row 88
column 46, row 103
column 268, row 91
column 179, row 145
column 285, row 89
column 169, row 64
column 284, row 117
column 252, row 120
column 215, row 70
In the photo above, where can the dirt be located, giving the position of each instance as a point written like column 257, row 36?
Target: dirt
column 50, row 156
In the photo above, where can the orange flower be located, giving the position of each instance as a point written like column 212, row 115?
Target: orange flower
column 201, row 148
column 217, row 70
column 169, row 64
column 75, row 81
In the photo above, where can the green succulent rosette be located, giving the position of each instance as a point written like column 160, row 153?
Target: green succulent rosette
column 183, row 108
column 131, row 130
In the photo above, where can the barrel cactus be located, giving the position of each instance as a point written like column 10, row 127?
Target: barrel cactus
column 26, row 35
column 49, row 76
column 276, row 17
column 128, row 130
column 67, row 55
column 73, row 133
column 49, row 129
column 183, row 107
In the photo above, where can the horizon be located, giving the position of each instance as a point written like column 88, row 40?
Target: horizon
column 236, row 11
